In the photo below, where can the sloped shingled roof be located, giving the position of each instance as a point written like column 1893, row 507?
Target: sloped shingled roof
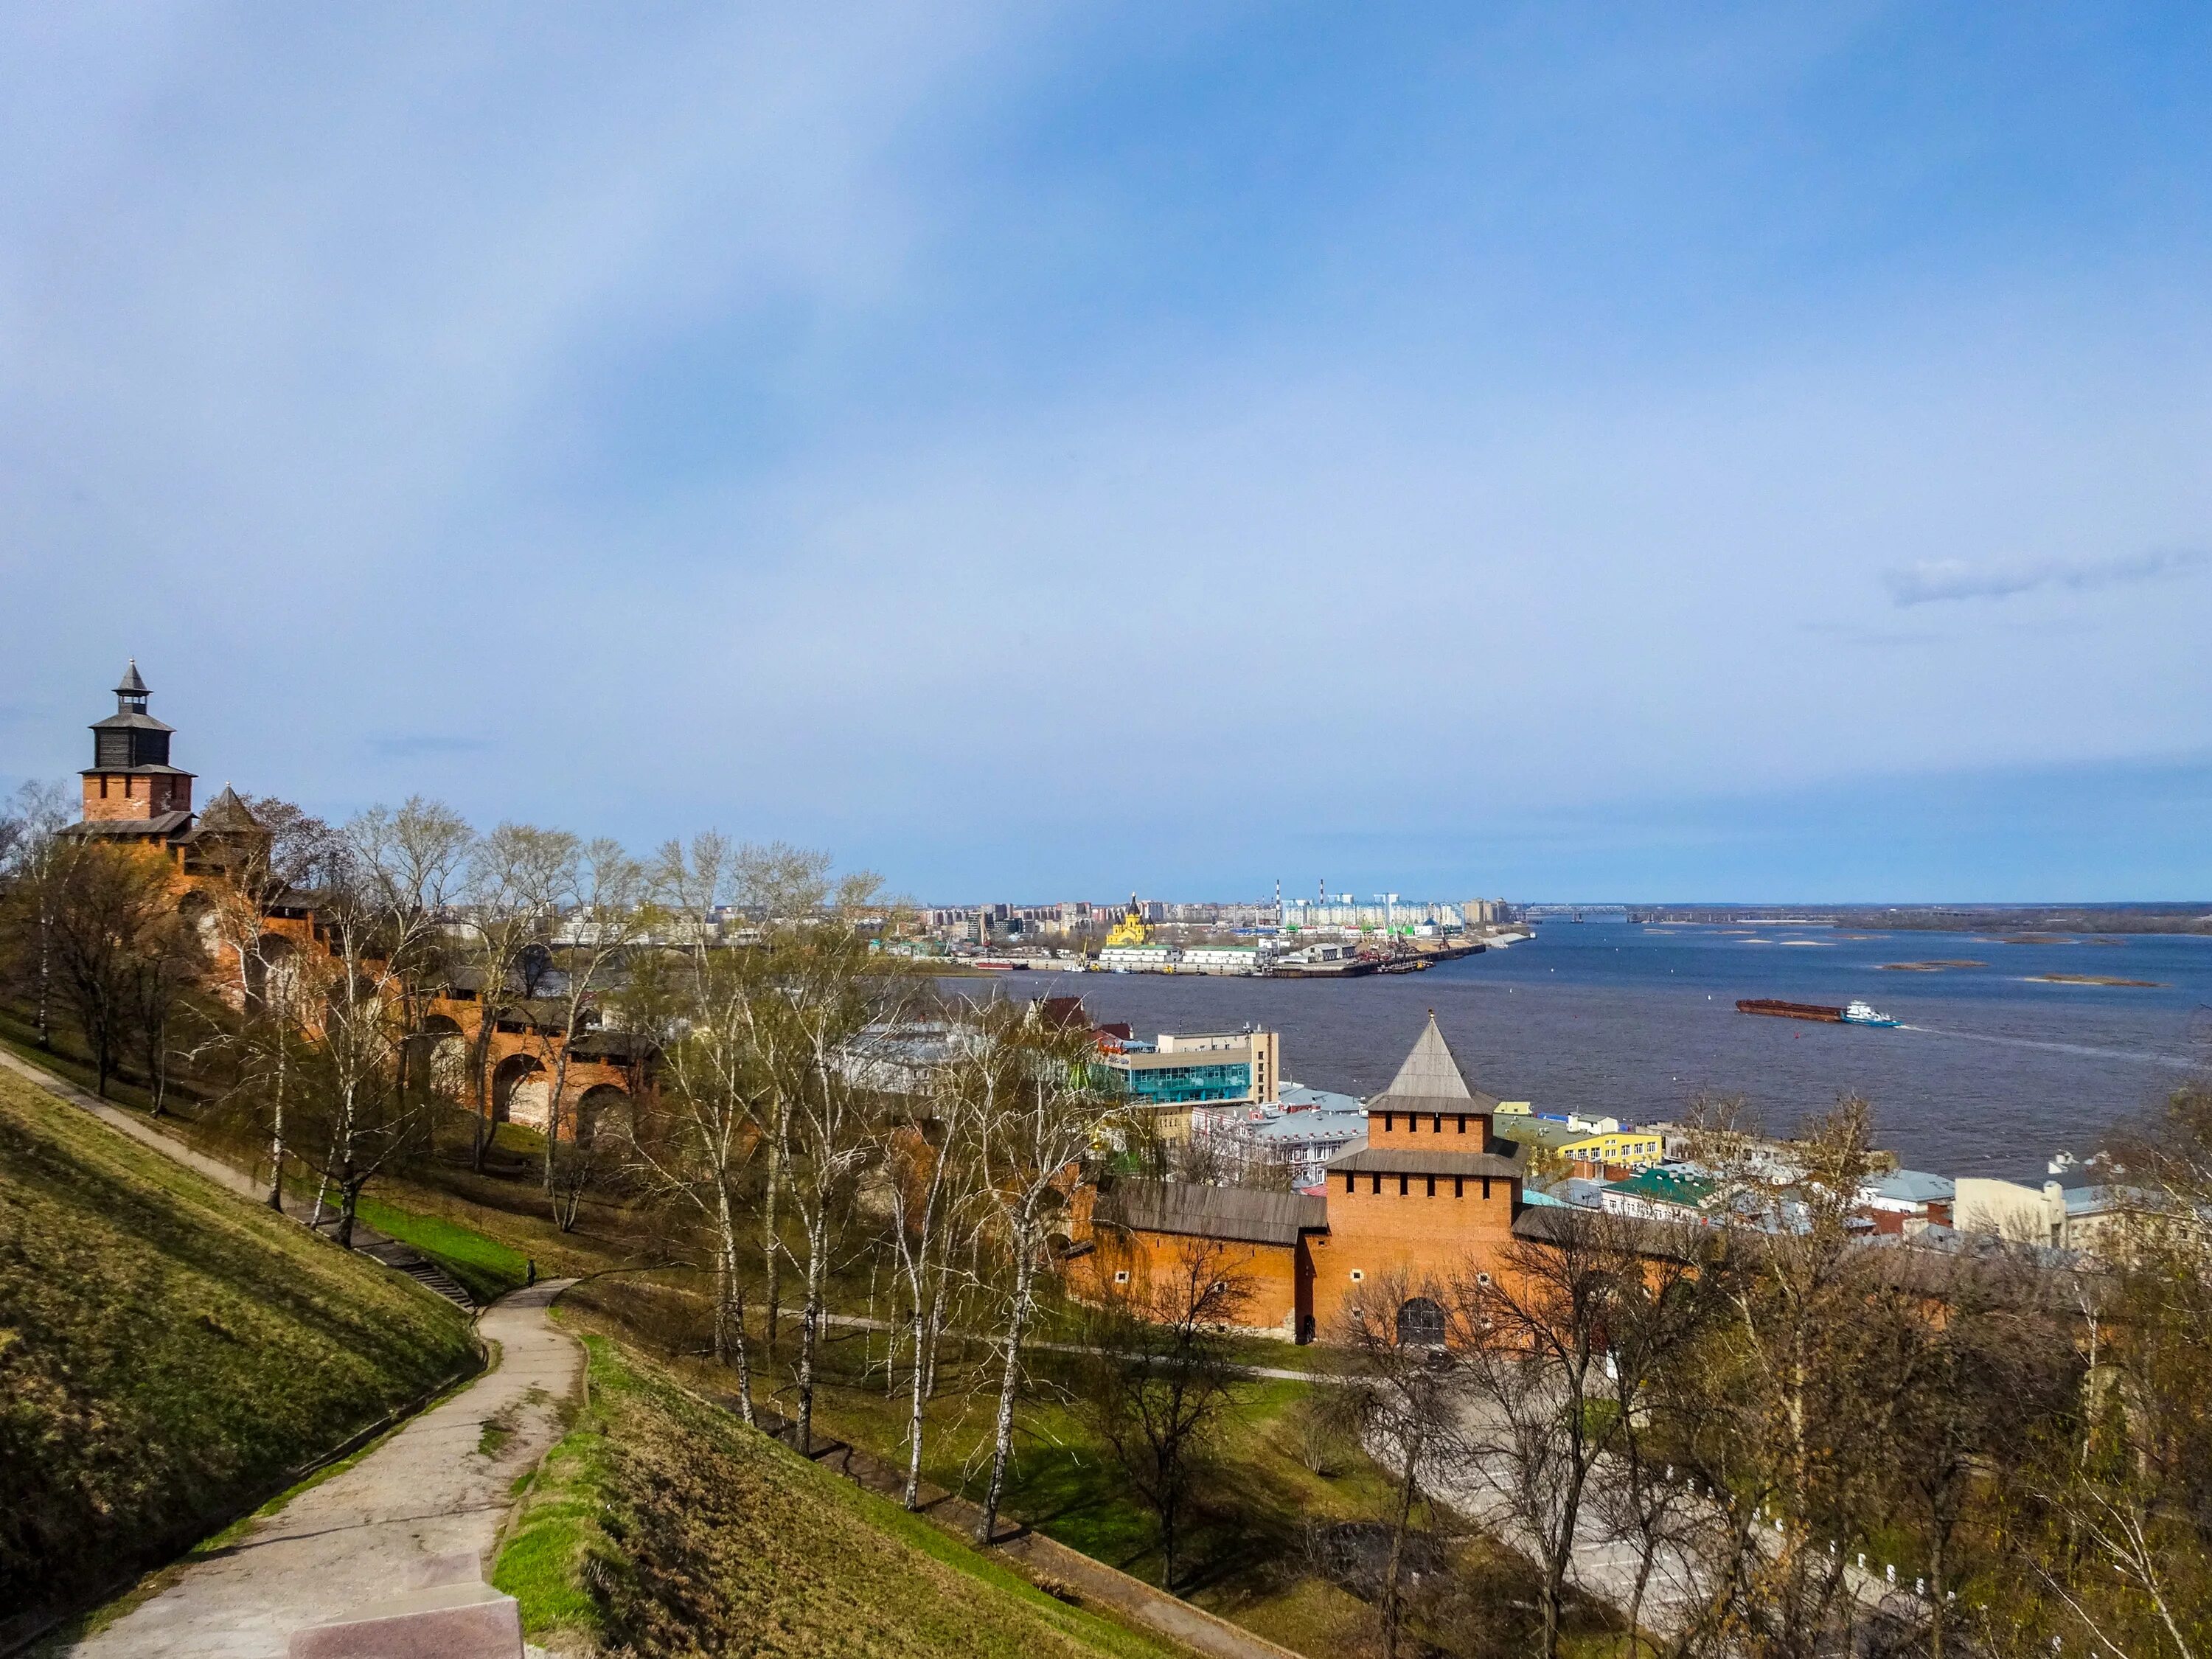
column 1398, row 1160
column 1235, row 1214
column 1430, row 1080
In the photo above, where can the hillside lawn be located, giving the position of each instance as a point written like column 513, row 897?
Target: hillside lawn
column 171, row 1355
column 662, row 1525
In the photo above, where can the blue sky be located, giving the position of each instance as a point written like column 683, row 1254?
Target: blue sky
column 1044, row 451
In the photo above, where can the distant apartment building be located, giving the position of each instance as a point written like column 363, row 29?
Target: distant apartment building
column 1384, row 915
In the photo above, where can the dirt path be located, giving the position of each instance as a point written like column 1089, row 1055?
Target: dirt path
column 431, row 1491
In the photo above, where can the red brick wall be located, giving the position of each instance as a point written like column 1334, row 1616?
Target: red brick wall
column 1468, row 1131
column 1413, row 1233
column 110, row 797
column 1280, row 1274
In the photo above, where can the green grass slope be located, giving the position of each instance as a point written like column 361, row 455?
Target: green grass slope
column 661, row 1525
column 169, row 1352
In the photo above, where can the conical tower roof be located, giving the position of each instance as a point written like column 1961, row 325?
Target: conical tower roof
column 227, row 812
column 1432, row 1073
column 131, row 685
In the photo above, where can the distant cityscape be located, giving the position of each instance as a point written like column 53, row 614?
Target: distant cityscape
column 1331, row 935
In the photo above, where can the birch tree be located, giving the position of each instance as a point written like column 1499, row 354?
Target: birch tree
column 926, row 1157
column 1407, row 1409
column 512, row 872
column 1038, row 1115
column 276, row 862
column 597, row 892
column 695, row 1136
column 382, row 925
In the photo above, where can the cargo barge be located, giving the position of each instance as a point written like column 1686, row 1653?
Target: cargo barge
column 1790, row 1010
column 1858, row 1013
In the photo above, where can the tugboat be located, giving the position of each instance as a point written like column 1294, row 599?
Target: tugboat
column 1864, row 1013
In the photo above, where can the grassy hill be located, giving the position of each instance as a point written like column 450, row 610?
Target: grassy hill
column 661, row 1525
column 169, row 1352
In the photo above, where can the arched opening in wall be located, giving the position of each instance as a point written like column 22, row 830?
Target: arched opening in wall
column 521, row 1092
column 604, row 1109
column 272, row 975
column 1420, row 1324
column 201, row 919
column 444, row 1048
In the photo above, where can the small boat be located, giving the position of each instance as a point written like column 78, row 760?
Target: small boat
column 1865, row 1013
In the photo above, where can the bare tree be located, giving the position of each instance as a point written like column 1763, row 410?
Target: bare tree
column 823, row 973
column 695, row 1132
column 110, row 911
column 1161, row 1372
column 1038, row 1113
column 514, row 873
column 1558, row 1340
column 1790, row 1412
column 1407, row 1408
column 927, row 1160
column 781, row 888
column 597, row 890
column 273, row 861
column 382, row 924
column 34, row 851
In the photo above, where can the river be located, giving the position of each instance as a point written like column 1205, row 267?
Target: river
column 1994, row 1070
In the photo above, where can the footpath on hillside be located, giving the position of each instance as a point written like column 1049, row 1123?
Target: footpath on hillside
column 439, row 1489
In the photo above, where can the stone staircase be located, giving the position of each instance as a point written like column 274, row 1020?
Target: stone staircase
column 400, row 1258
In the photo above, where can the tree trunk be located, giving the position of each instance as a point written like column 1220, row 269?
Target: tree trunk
column 349, row 1202
column 277, row 1138
column 773, row 1262
column 730, row 1309
column 45, row 977
column 1002, row 1444
column 1402, row 1522
column 810, row 1327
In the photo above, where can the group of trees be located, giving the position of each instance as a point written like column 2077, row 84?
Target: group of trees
column 89, row 935
column 1767, row 1436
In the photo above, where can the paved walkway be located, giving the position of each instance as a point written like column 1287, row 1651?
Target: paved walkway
column 380, row 1528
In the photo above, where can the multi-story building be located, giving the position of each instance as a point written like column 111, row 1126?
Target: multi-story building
column 1184, row 1071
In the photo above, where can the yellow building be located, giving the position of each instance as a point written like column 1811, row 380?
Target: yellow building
column 1579, row 1139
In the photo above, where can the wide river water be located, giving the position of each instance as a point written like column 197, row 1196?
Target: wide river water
column 1994, row 1070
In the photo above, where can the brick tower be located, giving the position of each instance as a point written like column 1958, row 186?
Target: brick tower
column 130, row 779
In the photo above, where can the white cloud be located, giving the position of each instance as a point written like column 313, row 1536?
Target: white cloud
column 1934, row 581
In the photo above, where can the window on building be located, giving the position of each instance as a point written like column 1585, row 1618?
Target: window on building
column 1403, row 1185
column 1485, row 1186
column 1349, row 1179
column 1436, row 1123
column 1122, row 1277
column 1459, row 1186
column 1462, row 1123
column 1357, row 1275
column 1387, row 1117
column 1432, row 1186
